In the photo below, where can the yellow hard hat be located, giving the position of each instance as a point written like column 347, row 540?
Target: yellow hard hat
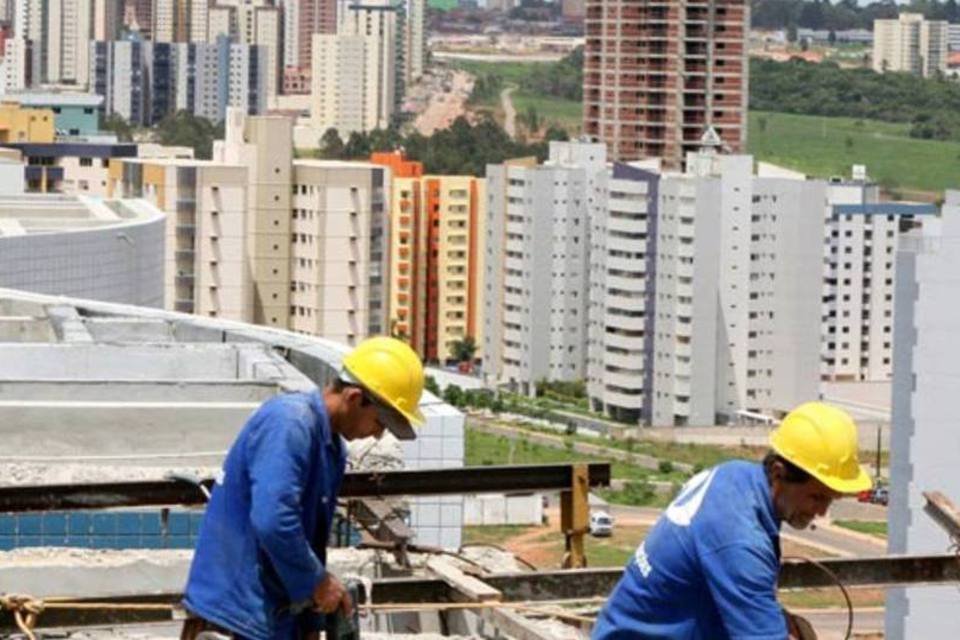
column 390, row 370
column 822, row 440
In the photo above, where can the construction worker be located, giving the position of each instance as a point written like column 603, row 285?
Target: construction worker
column 708, row 569
column 259, row 568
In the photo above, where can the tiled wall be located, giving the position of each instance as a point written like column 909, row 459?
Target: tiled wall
column 175, row 529
column 101, row 530
column 438, row 520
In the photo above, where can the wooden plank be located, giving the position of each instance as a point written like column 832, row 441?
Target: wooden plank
column 469, row 588
column 944, row 513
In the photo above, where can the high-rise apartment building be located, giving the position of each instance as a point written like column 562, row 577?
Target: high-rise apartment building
column 205, row 268
column 264, row 145
column 706, row 298
column 251, row 22
column 911, row 44
column 862, row 235
column 354, row 73
column 180, row 20
column 145, row 81
column 338, row 250
column 254, row 235
column 107, row 19
column 66, row 42
column 657, row 75
column 536, row 276
column 312, row 17
column 435, row 258
column 415, row 42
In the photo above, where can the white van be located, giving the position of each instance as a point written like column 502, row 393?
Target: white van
column 601, row 524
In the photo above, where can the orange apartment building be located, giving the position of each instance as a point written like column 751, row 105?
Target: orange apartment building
column 658, row 74
column 436, row 226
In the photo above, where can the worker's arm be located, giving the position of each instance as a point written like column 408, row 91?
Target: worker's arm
column 742, row 578
column 278, row 455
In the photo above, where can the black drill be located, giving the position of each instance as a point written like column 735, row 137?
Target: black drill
column 339, row 626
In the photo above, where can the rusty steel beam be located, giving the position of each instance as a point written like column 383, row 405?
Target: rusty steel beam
column 358, row 484
column 883, row 571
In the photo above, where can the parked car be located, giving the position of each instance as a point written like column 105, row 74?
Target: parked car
column 601, row 524
column 876, row 495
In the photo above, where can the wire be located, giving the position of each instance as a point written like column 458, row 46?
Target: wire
column 838, row 582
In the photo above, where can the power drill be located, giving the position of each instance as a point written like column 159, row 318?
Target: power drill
column 339, row 626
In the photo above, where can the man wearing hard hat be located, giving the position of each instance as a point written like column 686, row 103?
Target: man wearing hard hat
column 260, row 557
column 708, row 569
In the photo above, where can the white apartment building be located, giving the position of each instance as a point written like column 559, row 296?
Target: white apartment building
column 705, row 300
column 910, row 44
column 69, row 27
column 620, row 251
column 16, row 60
column 536, row 276
column 862, row 235
column 925, row 441
column 415, row 49
column 250, row 22
column 338, row 258
column 354, row 72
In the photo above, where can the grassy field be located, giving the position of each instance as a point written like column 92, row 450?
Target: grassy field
column 828, row 146
column 564, row 113
column 878, row 529
column 544, row 546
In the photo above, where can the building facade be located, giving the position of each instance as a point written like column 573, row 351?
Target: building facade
column 536, row 279
column 860, row 271
column 435, row 258
column 924, row 439
column 910, row 44
column 658, row 75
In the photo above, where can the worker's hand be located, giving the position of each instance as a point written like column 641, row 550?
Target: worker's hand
column 330, row 596
column 799, row 628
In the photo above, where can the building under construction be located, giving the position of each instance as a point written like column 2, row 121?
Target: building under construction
column 115, row 419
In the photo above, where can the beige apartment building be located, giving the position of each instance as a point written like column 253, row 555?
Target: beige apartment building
column 910, row 44
column 256, row 236
column 205, row 271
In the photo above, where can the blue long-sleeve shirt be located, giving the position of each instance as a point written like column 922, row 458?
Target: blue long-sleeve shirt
column 262, row 545
column 708, row 569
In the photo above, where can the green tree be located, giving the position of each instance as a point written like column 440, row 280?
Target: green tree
column 185, row 129
column 331, row 145
column 118, row 125
column 453, row 395
column 357, row 147
column 430, row 384
column 464, row 350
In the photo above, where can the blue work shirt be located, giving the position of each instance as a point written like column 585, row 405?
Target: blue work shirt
column 708, row 569
column 262, row 546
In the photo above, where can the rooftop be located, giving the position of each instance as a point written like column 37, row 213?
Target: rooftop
column 23, row 214
column 43, row 99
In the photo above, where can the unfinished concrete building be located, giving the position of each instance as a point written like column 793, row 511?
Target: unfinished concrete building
column 659, row 73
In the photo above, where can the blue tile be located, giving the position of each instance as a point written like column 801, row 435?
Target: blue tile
column 29, row 541
column 179, row 542
column 8, row 525
column 82, row 542
column 196, row 521
column 7, row 543
column 129, row 542
column 152, row 542
column 150, row 524
column 55, row 524
column 105, row 524
column 54, row 541
column 104, row 542
column 79, row 523
column 179, row 524
column 30, row 525
column 128, row 524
